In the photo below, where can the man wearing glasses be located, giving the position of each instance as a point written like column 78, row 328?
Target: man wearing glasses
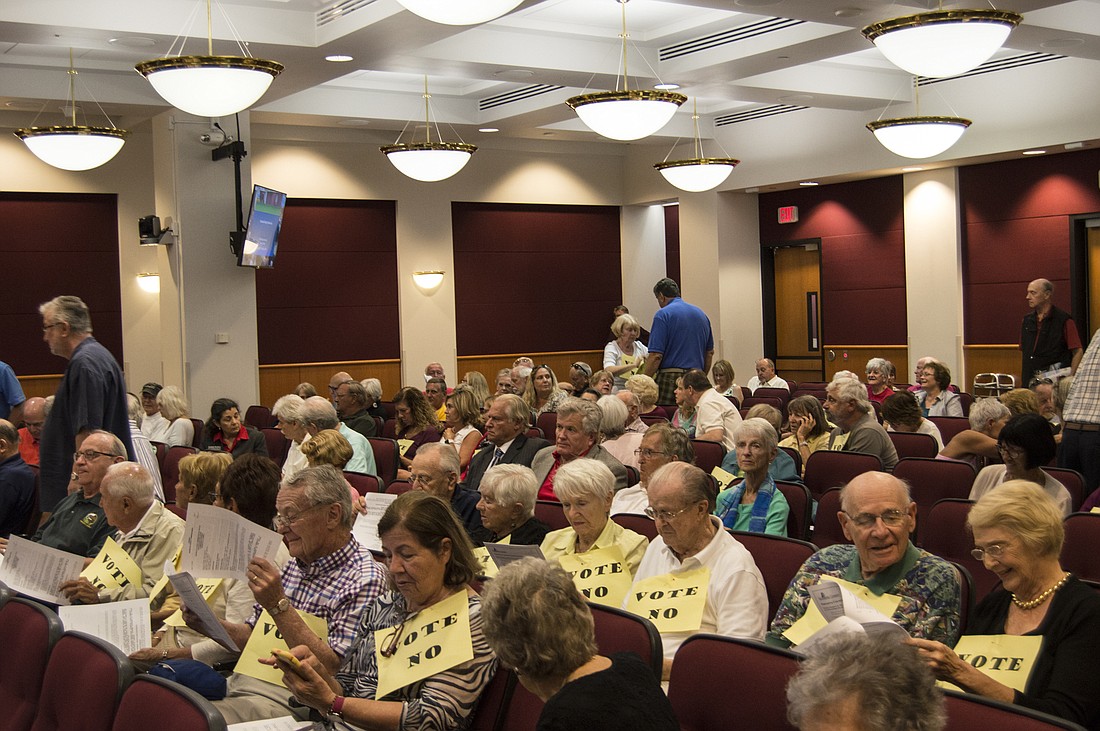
column 877, row 515
column 78, row 524
column 91, row 395
column 681, row 502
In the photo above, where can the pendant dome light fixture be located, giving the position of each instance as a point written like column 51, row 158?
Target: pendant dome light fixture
column 429, row 161
column 918, row 136
column 626, row 114
column 699, row 173
column 211, row 86
column 942, row 43
column 459, row 12
column 73, row 146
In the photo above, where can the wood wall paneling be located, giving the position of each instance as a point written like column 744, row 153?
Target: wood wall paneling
column 279, row 380
column 559, row 362
column 42, row 386
column 858, row 355
column 997, row 358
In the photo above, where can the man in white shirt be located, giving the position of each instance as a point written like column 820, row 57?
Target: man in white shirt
column 681, row 500
column 153, row 425
column 661, row 444
column 765, row 376
column 716, row 417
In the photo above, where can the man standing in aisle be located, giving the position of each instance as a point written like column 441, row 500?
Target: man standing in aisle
column 1080, row 448
column 1048, row 335
column 681, row 340
column 11, row 395
column 91, row 395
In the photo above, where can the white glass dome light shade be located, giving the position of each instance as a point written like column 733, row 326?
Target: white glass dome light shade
column 919, row 137
column 698, row 174
column 627, row 115
column 459, row 12
column 210, row 86
column 73, row 147
column 942, row 43
column 429, row 162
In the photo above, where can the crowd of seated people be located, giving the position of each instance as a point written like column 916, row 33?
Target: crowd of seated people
column 476, row 476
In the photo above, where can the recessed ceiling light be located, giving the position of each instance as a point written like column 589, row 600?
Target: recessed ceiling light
column 1035, row 152
column 848, row 12
column 488, row 129
column 911, row 170
column 809, row 183
column 339, row 58
column 1054, row 43
column 354, row 122
column 516, row 74
column 133, row 42
column 666, row 87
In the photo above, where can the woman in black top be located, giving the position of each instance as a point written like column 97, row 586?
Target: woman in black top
column 224, row 431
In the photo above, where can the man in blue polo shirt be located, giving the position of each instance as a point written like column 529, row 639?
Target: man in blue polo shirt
column 681, row 339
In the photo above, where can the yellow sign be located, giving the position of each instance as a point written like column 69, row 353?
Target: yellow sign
column 725, row 479
column 431, row 641
column 403, row 445
column 112, row 568
column 1008, row 659
column 162, row 582
column 209, row 590
column 672, row 602
column 265, row 636
column 602, row 576
column 488, row 568
column 812, row 622
column 629, row 360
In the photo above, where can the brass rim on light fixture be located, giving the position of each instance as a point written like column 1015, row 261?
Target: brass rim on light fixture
column 697, row 161
column 66, row 129
column 920, row 137
column 191, row 62
column 428, row 161
column 898, row 121
column 415, row 146
column 699, row 173
column 1006, row 17
column 653, row 95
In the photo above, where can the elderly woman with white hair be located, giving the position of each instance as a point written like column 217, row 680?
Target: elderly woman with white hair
column 586, row 488
column 624, row 356
column 613, row 435
column 754, row 504
column 507, row 507
column 978, row 444
column 879, row 371
column 288, row 411
column 173, row 407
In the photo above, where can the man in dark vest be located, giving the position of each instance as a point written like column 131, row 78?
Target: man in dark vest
column 1049, row 335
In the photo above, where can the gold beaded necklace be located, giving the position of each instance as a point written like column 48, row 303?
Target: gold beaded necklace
column 1032, row 603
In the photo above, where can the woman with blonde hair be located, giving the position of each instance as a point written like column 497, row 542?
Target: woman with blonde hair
column 328, row 446
column 199, row 475
column 475, row 380
column 542, row 393
column 624, row 356
column 724, row 382
column 173, row 407
column 462, row 424
column 645, row 388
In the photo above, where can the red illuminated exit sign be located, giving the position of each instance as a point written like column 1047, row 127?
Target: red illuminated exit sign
column 788, row 214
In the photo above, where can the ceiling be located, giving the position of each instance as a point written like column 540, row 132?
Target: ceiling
column 747, row 64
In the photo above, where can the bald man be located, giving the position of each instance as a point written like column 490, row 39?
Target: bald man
column 1048, row 336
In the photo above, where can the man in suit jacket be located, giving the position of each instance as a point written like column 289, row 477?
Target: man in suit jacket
column 505, row 424
column 576, row 436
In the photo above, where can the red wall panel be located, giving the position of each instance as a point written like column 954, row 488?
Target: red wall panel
column 534, row 278
column 861, row 229
column 53, row 244
column 333, row 292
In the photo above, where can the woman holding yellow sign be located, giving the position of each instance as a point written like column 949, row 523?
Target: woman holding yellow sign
column 419, row 659
column 585, row 488
column 1035, row 641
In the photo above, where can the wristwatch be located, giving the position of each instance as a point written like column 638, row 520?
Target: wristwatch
column 281, row 606
column 337, row 707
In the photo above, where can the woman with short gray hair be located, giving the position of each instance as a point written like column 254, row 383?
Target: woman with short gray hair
column 978, row 444
column 878, row 380
column 537, row 624
column 754, row 504
column 507, row 507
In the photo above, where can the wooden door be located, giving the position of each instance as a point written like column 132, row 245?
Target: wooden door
column 798, row 336
column 1094, row 285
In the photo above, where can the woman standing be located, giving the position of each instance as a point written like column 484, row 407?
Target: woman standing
column 624, row 356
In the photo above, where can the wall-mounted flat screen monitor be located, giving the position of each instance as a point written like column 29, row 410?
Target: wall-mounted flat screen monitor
column 261, row 238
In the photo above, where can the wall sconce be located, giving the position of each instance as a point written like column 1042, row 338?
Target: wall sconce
column 428, row 280
column 149, row 282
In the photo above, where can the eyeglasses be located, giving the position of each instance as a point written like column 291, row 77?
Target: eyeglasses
column 1009, row 449
column 46, row 328
column 90, row 454
column 647, row 453
column 282, row 522
column 389, row 645
column 664, row 515
column 421, row 479
column 891, row 518
column 994, row 550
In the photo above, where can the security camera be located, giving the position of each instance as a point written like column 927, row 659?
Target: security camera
column 214, row 138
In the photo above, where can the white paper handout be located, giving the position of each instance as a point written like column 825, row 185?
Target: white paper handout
column 505, row 553
column 124, row 624
column 365, row 528
column 192, row 598
column 218, row 543
column 845, row 612
column 37, row 571
column 282, row 723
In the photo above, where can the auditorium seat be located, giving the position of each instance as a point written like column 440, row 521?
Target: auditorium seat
column 363, row 483
column 826, row 469
column 912, row 444
column 387, row 458
column 641, row 524
column 1081, row 550
column 967, row 712
column 801, row 509
column 778, row 559
column 170, row 471
column 176, row 708
column 617, row 630
column 550, row 512
column 28, row 633
column 827, row 529
column 85, row 678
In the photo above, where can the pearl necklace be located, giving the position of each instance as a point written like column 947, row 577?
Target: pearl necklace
column 1032, row 603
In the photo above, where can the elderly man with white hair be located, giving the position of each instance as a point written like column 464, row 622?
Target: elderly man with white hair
column 319, row 414
column 857, row 428
column 634, row 423
column 146, row 530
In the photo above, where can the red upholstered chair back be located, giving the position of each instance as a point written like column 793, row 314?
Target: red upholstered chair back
column 620, row 631
column 653, row 419
column 912, row 444
column 550, row 512
column 170, row 470
column 966, row 595
column 1079, row 552
column 933, row 480
column 640, row 524
column 85, row 678
column 28, row 632
column 399, row 487
column 534, row 432
column 258, row 417
column 825, row 469
column 548, row 423
column 198, row 425
column 827, row 530
column 801, row 509
column 946, row 535
column 949, row 426
column 277, row 444
column 701, row 675
column 968, row 712
column 363, row 483
column 492, row 707
column 177, row 708
column 708, row 455
column 796, row 456
column 778, row 559
column 389, row 429
column 1074, row 482
column 386, row 458
column 756, row 398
